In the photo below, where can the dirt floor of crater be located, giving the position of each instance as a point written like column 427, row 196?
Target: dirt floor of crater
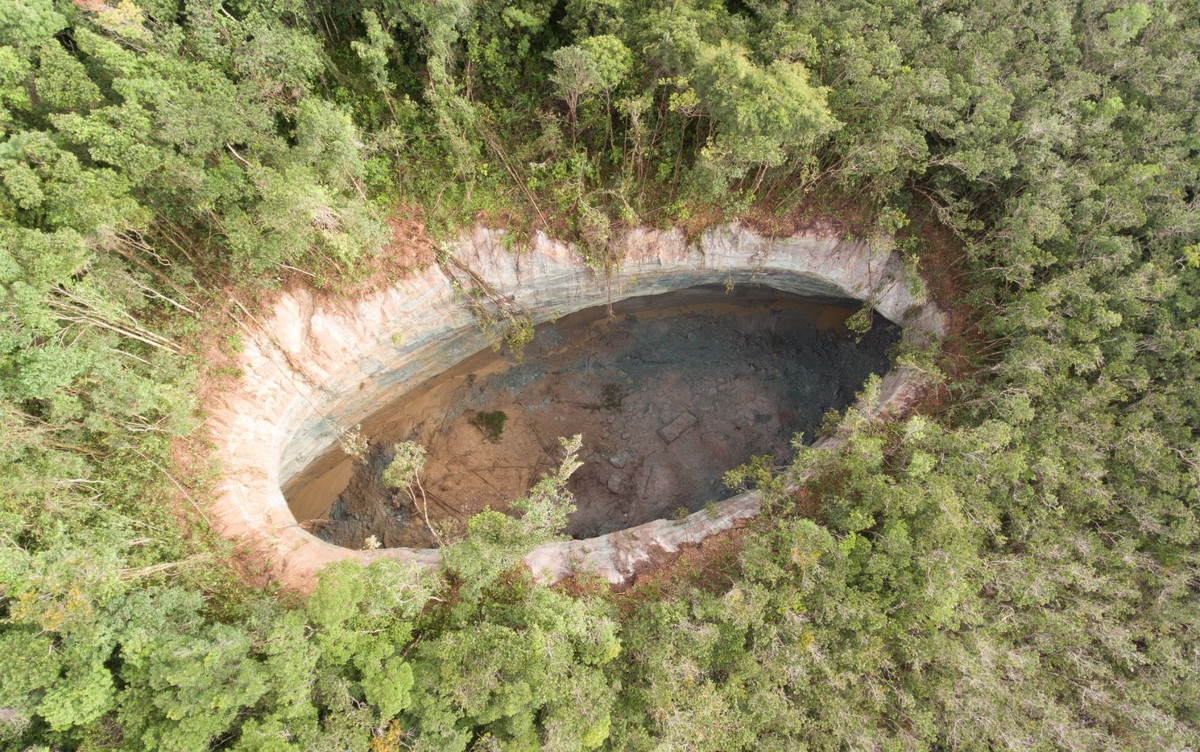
column 669, row 393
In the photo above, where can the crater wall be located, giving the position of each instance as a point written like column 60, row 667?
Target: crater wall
column 313, row 368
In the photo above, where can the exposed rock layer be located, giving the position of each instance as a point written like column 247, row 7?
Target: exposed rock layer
column 314, row 369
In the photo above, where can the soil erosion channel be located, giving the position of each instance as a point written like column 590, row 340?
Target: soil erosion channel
column 669, row 392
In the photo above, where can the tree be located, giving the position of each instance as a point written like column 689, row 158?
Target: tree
column 404, row 471
column 574, row 76
column 495, row 542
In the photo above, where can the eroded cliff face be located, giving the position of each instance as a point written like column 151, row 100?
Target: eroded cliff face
column 314, row 369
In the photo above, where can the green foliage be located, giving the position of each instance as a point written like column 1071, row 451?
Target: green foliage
column 611, row 396
column 549, row 503
column 28, row 25
column 759, row 473
column 375, row 50
column 859, row 322
column 520, row 664
column 353, row 443
column 495, row 542
column 1127, row 23
column 609, row 60
column 406, row 466
column 491, row 423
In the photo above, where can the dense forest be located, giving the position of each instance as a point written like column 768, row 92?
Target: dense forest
column 1014, row 566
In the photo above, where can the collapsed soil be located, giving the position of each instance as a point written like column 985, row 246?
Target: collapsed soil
column 669, row 393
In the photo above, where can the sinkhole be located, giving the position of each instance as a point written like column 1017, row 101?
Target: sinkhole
column 719, row 347
column 669, row 392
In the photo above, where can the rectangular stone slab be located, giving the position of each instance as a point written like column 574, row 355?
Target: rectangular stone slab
column 675, row 428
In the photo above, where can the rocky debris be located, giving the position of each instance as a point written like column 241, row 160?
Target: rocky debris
column 677, row 427
column 660, row 484
column 622, row 458
column 615, row 481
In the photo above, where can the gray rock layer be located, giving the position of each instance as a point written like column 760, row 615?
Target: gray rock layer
column 313, row 369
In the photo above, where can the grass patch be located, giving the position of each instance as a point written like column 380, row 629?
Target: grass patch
column 611, row 396
column 490, row 423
